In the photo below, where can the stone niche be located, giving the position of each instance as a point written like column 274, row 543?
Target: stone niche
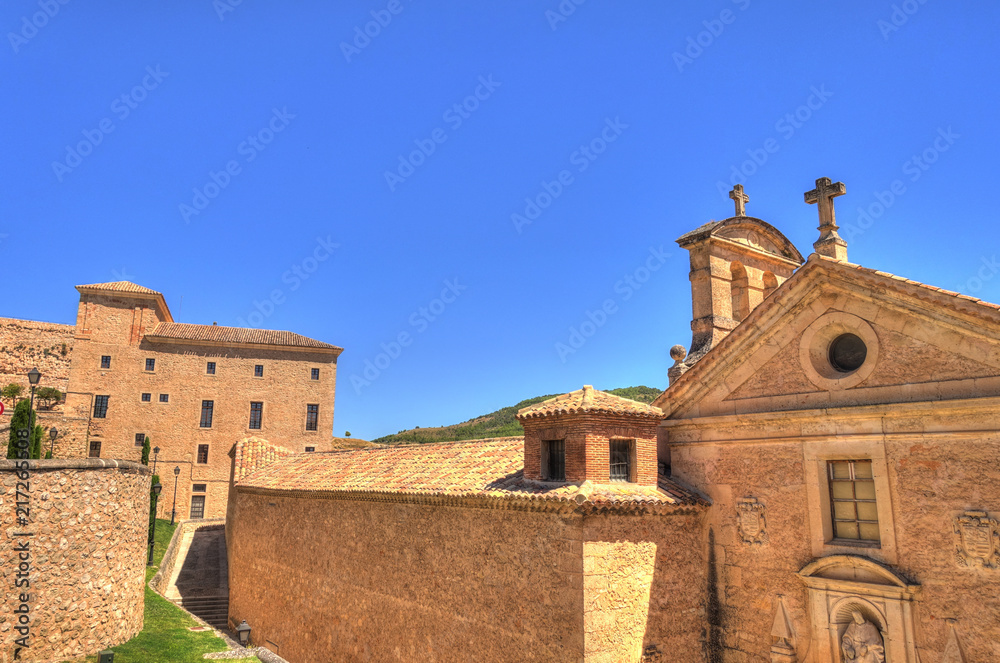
column 88, row 529
column 842, row 585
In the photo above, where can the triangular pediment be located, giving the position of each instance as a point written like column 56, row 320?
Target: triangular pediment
column 919, row 344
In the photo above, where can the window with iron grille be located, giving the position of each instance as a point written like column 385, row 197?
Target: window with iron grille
column 315, row 374
column 852, row 500
column 101, row 406
column 206, row 413
column 210, row 368
column 198, row 488
column 140, row 439
column 203, row 453
column 95, row 448
column 164, row 398
column 146, row 397
column 256, row 415
column 310, row 449
column 150, row 364
column 621, row 460
column 197, row 506
column 105, row 361
column 258, row 371
column 312, row 417
column 554, row 460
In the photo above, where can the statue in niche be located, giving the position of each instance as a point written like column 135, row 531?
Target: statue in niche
column 862, row 643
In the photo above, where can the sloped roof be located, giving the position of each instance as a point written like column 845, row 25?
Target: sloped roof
column 253, row 453
column 120, row 286
column 718, row 228
column 491, row 469
column 177, row 331
column 589, row 400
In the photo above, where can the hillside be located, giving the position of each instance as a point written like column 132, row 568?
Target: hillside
column 496, row 424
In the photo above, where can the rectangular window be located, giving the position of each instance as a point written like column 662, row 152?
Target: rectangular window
column 140, row 439
column 852, row 500
column 203, row 454
column 198, row 488
column 554, row 459
column 310, row 449
column 312, row 417
column 206, row 413
column 150, row 364
column 256, row 415
column 315, row 374
column 258, row 371
column 621, row 460
column 95, row 448
column 164, row 398
column 101, row 406
column 146, row 397
column 197, row 506
column 210, row 368
column 105, row 361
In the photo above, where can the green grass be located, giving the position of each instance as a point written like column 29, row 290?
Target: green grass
column 165, row 637
column 501, row 423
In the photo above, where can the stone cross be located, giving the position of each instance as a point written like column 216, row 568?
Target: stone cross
column 830, row 243
column 740, row 198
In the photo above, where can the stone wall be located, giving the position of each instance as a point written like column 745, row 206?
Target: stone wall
column 319, row 578
column 89, row 520
column 26, row 344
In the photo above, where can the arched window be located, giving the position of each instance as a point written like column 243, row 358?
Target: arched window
column 740, row 291
column 770, row 283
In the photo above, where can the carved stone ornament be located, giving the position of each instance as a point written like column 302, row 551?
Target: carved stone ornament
column 750, row 516
column 977, row 540
column 862, row 642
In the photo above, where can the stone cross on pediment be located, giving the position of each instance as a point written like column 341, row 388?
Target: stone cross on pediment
column 741, row 199
column 830, row 243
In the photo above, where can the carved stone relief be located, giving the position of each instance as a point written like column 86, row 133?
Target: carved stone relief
column 752, row 525
column 862, row 641
column 977, row 540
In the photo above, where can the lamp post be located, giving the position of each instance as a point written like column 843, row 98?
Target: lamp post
column 152, row 532
column 243, row 631
column 53, row 433
column 33, row 377
column 173, row 511
column 156, row 452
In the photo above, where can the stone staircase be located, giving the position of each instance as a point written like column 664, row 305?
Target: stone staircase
column 197, row 579
column 212, row 609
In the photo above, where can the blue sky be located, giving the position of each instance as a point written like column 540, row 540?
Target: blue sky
column 217, row 151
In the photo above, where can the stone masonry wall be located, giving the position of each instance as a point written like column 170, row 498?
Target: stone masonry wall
column 87, row 555
column 26, row 344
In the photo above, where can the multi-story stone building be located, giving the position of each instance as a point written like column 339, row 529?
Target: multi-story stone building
column 192, row 389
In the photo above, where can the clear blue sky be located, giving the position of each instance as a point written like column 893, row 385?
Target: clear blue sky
column 309, row 117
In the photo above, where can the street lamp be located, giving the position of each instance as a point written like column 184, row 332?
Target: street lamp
column 243, row 631
column 33, row 377
column 152, row 533
column 53, row 433
column 156, row 452
column 177, row 473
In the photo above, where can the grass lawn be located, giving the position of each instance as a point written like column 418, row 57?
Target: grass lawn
column 165, row 637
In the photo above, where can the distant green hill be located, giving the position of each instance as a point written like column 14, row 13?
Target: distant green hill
column 496, row 424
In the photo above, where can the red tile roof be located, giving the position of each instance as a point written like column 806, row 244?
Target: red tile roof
column 176, row 331
column 490, row 469
column 119, row 286
column 589, row 399
column 253, row 453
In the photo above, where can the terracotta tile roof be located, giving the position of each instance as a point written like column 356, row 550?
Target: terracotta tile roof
column 216, row 334
column 492, row 469
column 253, row 453
column 119, row 286
column 589, row 399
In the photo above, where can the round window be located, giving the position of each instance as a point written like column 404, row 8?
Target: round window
column 847, row 353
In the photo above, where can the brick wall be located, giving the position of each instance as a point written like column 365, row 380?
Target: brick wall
column 88, row 556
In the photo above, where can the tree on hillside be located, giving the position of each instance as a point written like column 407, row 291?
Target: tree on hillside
column 20, row 419
column 145, row 451
column 48, row 396
column 11, row 393
column 347, row 433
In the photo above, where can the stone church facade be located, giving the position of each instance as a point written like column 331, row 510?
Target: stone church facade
column 819, row 483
